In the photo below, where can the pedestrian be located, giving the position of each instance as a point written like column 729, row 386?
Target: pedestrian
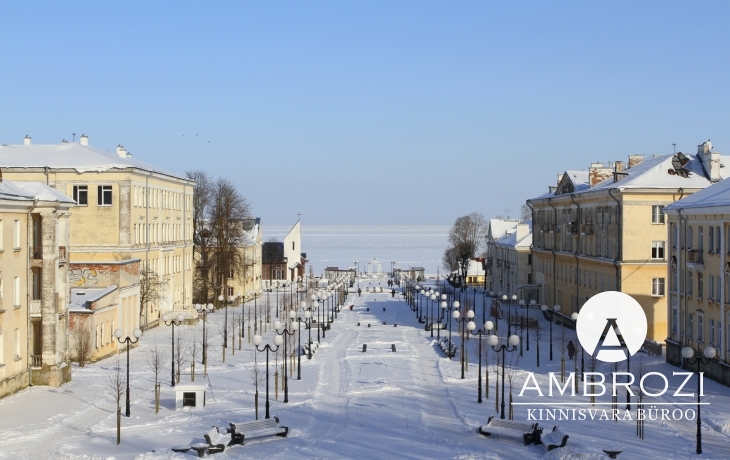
column 571, row 350
column 392, row 293
column 359, row 292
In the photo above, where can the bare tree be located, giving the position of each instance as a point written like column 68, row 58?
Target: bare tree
column 593, row 364
column 525, row 212
column 496, row 359
column 511, row 362
column 202, row 236
column 151, row 288
column 116, row 384
column 194, row 349
column 258, row 377
column 467, row 239
column 156, row 360
column 538, row 333
column 450, row 260
column 179, row 355
column 82, row 341
column 562, row 345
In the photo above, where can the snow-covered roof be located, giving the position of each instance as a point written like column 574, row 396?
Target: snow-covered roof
column 579, row 179
column 27, row 191
column 713, row 196
column 511, row 240
column 71, row 155
column 500, row 227
column 81, row 298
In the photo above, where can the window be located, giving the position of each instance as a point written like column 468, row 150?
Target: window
column 675, row 320
column 229, row 289
column 718, row 239
column 657, row 249
column 700, row 239
column 16, row 234
column 700, row 286
column 104, row 195
column 690, row 237
column 17, row 344
column 657, row 214
column 700, row 327
column 712, row 332
column 657, row 286
column 712, row 287
column 690, row 326
column 16, row 291
column 718, row 296
column 711, row 240
column 292, row 246
column 81, row 194
column 719, row 336
column 690, row 284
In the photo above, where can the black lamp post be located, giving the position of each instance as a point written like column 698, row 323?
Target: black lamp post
column 549, row 315
column 319, row 298
column 226, row 301
column 169, row 320
column 420, row 306
column 290, row 328
column 462, row 321
column 709, row 354
column 528, row 306
column 433, row 298
column 454, row 308
column 203, row 310
column 308, row 323
column 509, row 314
column 472, row 327
column 444, row 305
column 493, row 340
column 137, row 334
column 496, row 323
column 278, row 340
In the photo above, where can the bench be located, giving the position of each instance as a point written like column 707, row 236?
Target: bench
column 216, row 440
column 448, row 347
column 305, row 348
column 554, row 439
column 528, row 432
column 435, row 326
column 241, row 432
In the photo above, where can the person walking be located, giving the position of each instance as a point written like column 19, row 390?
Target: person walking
column 571, row 350
column 359, row 292
column 392, row 292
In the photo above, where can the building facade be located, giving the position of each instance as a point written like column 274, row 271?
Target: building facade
column 497, row 229
column 126, row 209
column 513, row 260
column 594, row 233
column 34, row 238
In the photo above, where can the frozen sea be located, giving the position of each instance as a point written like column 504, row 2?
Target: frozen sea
column 340, row 245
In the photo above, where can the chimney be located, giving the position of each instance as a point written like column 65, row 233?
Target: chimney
column 64, row 141
column 710, row 161
column 635, row 160
column 84, row 140
column 522, row 231
column 597, row 173
column 618, row 166
column 27, row 140
column 121, row 151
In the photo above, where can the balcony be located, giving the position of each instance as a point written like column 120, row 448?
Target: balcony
column 35, row 308
column 35, row 253
column 587, row 228
column 694, row 256
column 571, row 227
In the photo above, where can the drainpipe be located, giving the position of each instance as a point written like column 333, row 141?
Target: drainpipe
column 577, row 261
column 45, row 171
column 553, row 249
column 532, row 217
column 617, row 259
column 683, row 280
column 147, row 238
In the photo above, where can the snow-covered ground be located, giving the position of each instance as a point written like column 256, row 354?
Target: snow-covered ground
column 410, row 403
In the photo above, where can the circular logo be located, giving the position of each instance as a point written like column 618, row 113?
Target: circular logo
column 611, row 326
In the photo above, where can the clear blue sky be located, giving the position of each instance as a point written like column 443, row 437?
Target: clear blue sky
column 370, row 112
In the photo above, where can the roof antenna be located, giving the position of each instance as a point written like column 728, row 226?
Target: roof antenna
column 674, row 146
column 74, row 137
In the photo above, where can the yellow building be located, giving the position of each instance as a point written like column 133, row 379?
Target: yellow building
column 603, row 229
column 127, row 209
column 34, row 237
column 699, row 276
column 248, row 283
column 512, row 261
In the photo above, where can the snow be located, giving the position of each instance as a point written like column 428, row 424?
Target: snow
column 80, row 297
column 10, row 190
column 410, row 404
column 715, row 195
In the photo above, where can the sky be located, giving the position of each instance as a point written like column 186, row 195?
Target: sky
column 378, row 112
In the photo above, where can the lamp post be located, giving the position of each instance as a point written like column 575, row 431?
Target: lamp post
column 496, row 323
column 204, row 310
column 137, row 333
column 709, row 354
column 169, row 320
column 454, row 308
column 420, row 306
column 472, row 327
column 319, row 298
column 493, row 340
column 505, row 297
column 225, row 300
column 308, row 323
column 278, row 340
column 444, row 305
column 550, row 314
column 290, row 328
column 433, row 300
column 528, row 306
column 469, row 316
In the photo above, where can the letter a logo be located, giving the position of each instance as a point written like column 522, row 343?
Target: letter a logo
column 611, row 326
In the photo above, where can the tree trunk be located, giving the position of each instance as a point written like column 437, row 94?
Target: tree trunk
column 192, row 371
column 157, row 398
column 276, row 384
column 256, row 404
column 511, row 413
column 119, row 425
column 496, row 392
column 486, row 384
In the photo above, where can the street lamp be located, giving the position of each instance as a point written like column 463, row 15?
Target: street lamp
column 173, row 321
column 469, row 317
column 472, row 327
column 528, row 306
column 289, row 329
column 308, row 319
column 319, row 298
column 430, row 310
column 574, row 316
column 226, row 301
column 137, row 333
column 550, row 314
column 420, row 306
column 709, row 354
column 278, row 340
column 493, row 340
column 509, row 315
column 204, row 310
column 444, row 305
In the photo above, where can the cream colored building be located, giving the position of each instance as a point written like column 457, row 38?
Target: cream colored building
column 699, row 275
column 604, row 229
column 127, row 209
column 497, row 229
column 249, row 284
column 34, row 237
column 512, row 260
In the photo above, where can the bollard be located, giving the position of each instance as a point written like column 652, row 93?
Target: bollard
column 358, row 324
column 392, row 348
column 368, row 309
column 364, row 347
column 383, row 323
column 395, row 325
column 368, row 324
column 383, row 308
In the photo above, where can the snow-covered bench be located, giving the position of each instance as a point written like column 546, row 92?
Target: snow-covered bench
column 305, row 348
column 241, row 432
column 448, row 347
column 528, row 432
column 216, row 440
column 435, row 326
column 554, row 439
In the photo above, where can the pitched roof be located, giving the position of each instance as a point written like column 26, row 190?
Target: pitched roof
column 500, row 227
column 715, row 195
column 28, row 191
column 71, row 155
